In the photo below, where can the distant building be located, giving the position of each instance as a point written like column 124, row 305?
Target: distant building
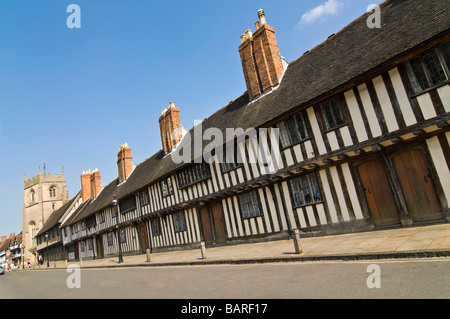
column 11, row 250
column 49, row 238
column 15, row 249
column 42, row 195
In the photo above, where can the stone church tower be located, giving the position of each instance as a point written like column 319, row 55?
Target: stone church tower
column 42, row 195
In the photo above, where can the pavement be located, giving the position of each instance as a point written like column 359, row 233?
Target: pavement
column 409, row 242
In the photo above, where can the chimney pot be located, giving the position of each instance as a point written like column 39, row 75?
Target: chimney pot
column 262, row 16
column 248, row 33
column 257, row 25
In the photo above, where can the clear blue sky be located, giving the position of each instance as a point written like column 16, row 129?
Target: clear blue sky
column 70, row 97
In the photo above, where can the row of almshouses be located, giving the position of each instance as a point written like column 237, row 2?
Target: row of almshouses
column 376, row 154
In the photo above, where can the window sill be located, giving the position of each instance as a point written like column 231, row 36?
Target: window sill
column 230, row 170
column 191, row 184
column 260, row 215
column 335, row 128
column 128, row 210
column 434, row 87
column 292, row 145
column 309, row 204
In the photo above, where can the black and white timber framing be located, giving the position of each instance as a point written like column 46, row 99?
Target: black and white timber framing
column 363, row 123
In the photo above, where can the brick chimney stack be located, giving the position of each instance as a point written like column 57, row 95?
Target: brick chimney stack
column 96, row 183
column 170, row 127
column 85, row 185
column 124, row 164
column 260, row 57
column 90, row 184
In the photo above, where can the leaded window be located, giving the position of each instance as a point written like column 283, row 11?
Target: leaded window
column 231, row 158
column 166, row 187
column 430, row 68
column 305, row 190
column 193, row 174
column 293, row 130
column 127, row 204
column 156, row 226
column 332, row 115
column 109, row 238
column 249, row 205
column 101, row 217
column 179, row 222
column 123, row 236
column 144, row 198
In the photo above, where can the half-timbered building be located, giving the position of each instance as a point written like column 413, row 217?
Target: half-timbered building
column 49, row 239
column 363, row 142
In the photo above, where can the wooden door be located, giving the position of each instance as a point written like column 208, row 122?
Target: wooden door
column 77, row 252
column 420, row 195
column 99, row 241
column 378, row 193
column 213, row 224
column 205, row 218
column 143, row 237
column 219, row 223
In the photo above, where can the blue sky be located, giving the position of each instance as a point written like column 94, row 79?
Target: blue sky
column 70, row 97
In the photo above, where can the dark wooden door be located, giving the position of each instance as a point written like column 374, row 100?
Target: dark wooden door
column 205, row 218
column 418, row 189
column 378, row 192
column 143, row 237
column 77, row 252
column 99, row 241
column 213, row 224
column 219, row 223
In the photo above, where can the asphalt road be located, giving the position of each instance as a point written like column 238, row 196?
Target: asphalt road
column 417, row 278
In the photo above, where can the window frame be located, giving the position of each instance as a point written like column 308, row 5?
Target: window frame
column 290, row 132
column 413, row 80
column 228, row 167
column 166, row 187
column 297, row 190
column 244, row 200
column 193, row 174
column 144, row 197
column 179, row 223
column 156, row 226
column 101, row 217
column 122, row 235
column 127, row 203
column 327, row 107
column 52, row 191
column 110, row 238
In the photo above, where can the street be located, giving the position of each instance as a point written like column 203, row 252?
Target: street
column 424, row 278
